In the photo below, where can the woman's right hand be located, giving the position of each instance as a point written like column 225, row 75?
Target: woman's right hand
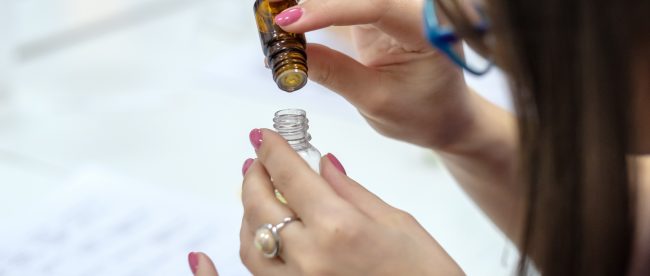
column 403, row 87
column 409, row 91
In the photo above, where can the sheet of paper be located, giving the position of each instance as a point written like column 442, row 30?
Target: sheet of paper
column 100, row 224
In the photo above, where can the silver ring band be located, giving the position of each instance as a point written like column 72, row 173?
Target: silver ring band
column 284, row 222
column 267, row 237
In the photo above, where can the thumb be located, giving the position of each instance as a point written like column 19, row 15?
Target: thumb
column 342, row 74
column 201, row 265
column 332, row 171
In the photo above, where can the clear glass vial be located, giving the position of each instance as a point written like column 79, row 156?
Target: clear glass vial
column 284, row 51
column 292, row 124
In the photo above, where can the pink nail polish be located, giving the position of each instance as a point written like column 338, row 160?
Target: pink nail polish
column 256, row 138
column 336, row 163
column 288, row 16
column 193, row 259
column 247, row 164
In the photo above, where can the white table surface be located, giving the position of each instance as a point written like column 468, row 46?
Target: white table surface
column 170, row 100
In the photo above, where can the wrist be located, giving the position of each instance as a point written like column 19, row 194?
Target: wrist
column 477, row 124
column 457, row 121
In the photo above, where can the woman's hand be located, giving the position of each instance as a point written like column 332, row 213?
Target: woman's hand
column 343, row 228
column 403, row 87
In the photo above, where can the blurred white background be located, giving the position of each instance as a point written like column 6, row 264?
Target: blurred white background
column 6, row 49
column 164, row 93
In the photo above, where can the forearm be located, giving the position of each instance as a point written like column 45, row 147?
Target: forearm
column 484, row 162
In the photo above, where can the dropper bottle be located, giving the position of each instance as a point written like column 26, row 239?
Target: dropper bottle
column 284, row 51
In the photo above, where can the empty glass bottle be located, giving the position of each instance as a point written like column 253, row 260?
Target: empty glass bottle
column 292, row 124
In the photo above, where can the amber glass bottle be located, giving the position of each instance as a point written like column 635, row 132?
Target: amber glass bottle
column 284, row 51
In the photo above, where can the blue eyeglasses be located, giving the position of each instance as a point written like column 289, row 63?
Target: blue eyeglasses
column 444, row 38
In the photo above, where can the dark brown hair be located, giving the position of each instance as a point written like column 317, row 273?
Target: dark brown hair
column 569, row 64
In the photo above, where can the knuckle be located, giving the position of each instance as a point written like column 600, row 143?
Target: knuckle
column 244, row 256
column 248, row 219
column 378, row 105
column 398, row 217
column 339, row 231
column 379, row 8
column 284, row 181
column 313, row 266
column 289, row 178
column 283, row 178
column 253, row 218
column 325, row 5
column 251, row 204
column 324, row 76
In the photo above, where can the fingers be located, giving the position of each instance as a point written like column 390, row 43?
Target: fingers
column 401, row 19
column 343, row 75
column 201, row 265
column 306, row 192
column 260, row 204
column 351, row 191
column 262, row 207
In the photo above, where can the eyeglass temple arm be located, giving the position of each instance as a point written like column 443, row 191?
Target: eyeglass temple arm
column 443, row 38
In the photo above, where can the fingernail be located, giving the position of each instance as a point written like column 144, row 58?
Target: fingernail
column 193, row 259
column 256, row 138
column 288, row 16
column 247, row 164
column 336, row 163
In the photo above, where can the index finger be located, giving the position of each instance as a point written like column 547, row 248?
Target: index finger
column 401, row 19
column 305, row 191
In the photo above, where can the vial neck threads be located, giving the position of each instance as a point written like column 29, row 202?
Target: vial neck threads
column 286, row 54
column 292, row 124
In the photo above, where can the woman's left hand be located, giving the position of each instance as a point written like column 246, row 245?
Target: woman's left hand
column 343, row 229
